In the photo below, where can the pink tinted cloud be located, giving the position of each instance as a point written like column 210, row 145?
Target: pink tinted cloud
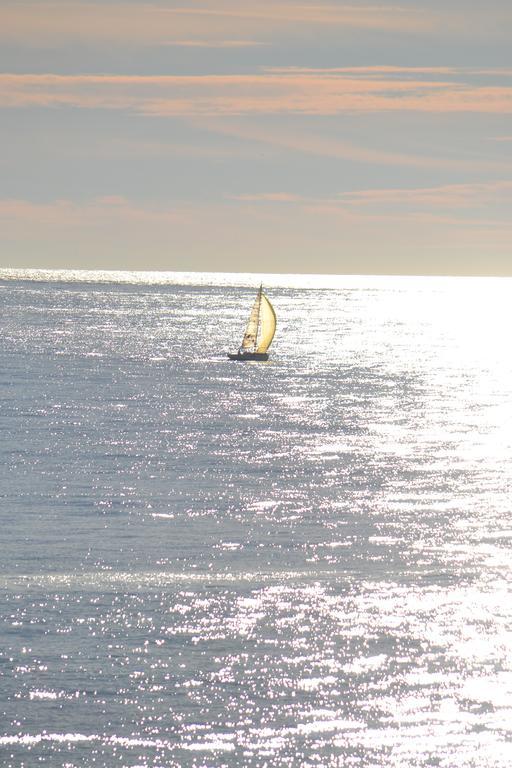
column 266, row 93
column 144, row 23
column 373, row 71
column 117, row 233
column 475, row 204
column 68, row 214
column 214, row 43
column 268, row 197
column 309, row 142
column 344, row 15
column 386, row 69
column 474, row 195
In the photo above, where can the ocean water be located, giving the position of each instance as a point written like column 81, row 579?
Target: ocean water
column 305, row 562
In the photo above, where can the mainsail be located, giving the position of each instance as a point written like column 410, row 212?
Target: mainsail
column 267, row 324
column 251, row 332
column 261, row 326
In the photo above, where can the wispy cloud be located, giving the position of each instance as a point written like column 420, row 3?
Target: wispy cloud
column 311, row 142
column 142, row 23
column 363, row 16
column 373, row 71
column 265, row 93
column 117, row 231
column 214, row 44
column 377, row 70
column 448, row 196
column 68, row 213
column 439, row 202
column 269, row 197
column 146, row 23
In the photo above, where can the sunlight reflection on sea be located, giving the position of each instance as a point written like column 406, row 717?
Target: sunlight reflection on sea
column 206, row 563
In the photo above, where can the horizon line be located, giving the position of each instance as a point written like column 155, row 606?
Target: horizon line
column 81, row 274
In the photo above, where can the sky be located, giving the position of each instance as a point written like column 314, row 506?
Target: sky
column 257, row 136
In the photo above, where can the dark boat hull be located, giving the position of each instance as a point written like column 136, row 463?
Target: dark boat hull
column 245, row 356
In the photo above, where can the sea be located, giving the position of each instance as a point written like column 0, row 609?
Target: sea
column 208, row 564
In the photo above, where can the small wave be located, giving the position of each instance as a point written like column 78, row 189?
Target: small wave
column 109, row 579
column 29, row 740
column 43, row 695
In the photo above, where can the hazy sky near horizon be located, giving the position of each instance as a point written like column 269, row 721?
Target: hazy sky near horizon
column 257, row 136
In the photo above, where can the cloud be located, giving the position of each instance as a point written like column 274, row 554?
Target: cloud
column 327, row 236
column 143, row 23
column 455, row 196
column 311, row 143
column 69, row 214
column 386, row 69
column 265, row 93
column 271, row 12
column 372, row 202
column 373, row 71
column 269, row 197
column 214, row 43
column 449, row 203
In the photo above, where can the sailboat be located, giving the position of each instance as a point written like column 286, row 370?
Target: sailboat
column 259, row 332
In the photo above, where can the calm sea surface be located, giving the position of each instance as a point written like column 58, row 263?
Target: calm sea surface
column 305, row 562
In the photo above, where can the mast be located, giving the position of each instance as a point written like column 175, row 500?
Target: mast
column 267, row 324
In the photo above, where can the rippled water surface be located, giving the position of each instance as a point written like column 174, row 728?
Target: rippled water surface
column 300, row 563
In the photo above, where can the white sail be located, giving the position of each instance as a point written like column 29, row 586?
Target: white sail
column 251, row 332
column 267, row 324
